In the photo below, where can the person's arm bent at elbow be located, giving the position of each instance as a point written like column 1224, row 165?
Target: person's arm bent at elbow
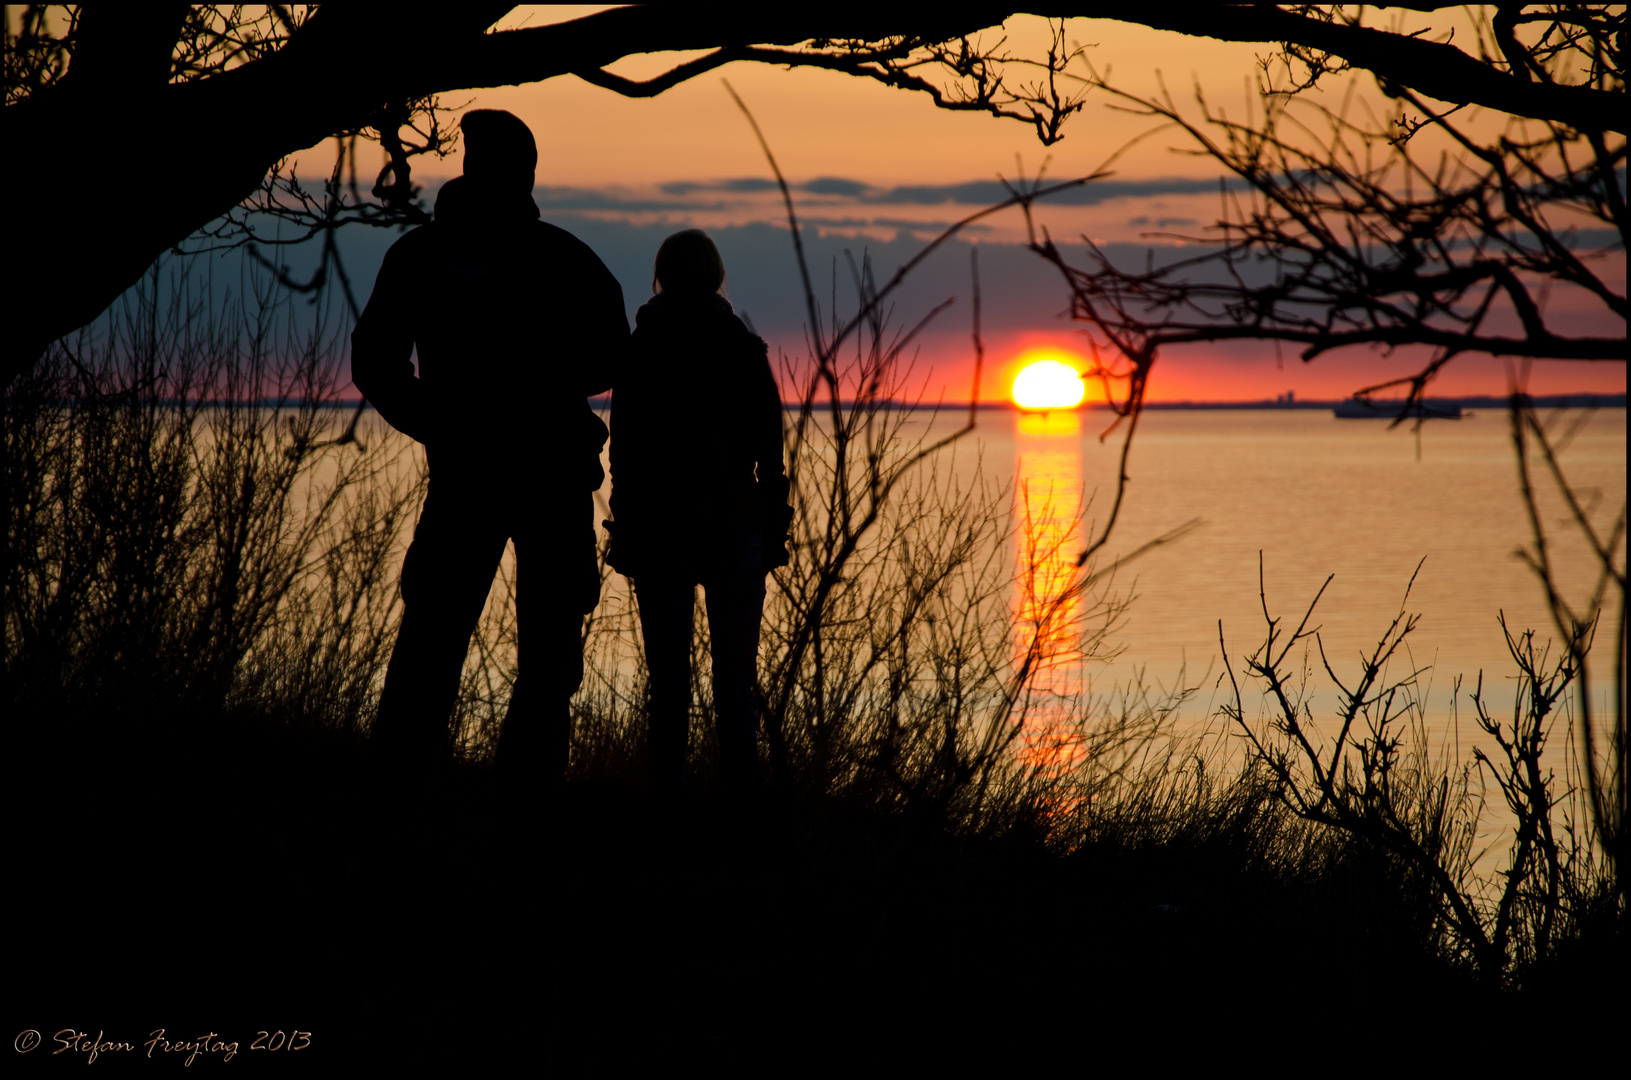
column 382, row 356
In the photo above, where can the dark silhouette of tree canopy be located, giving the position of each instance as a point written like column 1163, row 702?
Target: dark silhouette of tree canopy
column 1340, row 229
column 223, row 95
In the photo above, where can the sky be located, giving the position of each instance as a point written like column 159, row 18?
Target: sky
column 878, row 172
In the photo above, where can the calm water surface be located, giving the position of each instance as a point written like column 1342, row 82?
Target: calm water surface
column 1318, row 496
column 1313, row 496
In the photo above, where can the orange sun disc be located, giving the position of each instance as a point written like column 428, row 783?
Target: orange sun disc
column 1049, row 384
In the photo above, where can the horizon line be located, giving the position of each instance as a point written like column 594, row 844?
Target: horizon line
column 1580, row 399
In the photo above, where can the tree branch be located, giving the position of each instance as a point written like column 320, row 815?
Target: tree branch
column 1436, row 69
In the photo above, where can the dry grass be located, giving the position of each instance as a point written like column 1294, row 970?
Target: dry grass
column 200, row 597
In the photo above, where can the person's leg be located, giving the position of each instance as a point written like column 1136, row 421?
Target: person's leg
column 735, row 600
column 445, row 580
column 666, row 608
column 536, row 740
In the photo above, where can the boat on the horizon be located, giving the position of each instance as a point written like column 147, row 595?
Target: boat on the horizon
column 1358, row 408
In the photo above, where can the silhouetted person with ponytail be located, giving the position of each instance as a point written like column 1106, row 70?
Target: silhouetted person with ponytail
column 699, row 497
column 516, row 323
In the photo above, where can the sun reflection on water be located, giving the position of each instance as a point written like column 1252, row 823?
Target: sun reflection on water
column 1048, row 602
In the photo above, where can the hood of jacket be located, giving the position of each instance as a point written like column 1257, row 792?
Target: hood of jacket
column 665, row 307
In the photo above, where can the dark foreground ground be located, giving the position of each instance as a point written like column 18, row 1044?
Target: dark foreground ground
column 276, row 883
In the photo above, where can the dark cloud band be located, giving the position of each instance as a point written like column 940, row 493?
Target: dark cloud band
column 969, row 193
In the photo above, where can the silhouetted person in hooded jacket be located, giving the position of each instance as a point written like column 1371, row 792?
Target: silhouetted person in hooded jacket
column 516, row 323
column 699, row 496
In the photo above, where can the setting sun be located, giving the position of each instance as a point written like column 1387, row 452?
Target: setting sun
column 1049, row 381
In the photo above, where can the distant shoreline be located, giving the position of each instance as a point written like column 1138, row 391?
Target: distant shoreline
column 1480, row 401
column 1483, row 401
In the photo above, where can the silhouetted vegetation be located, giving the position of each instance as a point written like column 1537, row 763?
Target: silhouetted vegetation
column 200, row 598
column 185, row 533
column 1371, row 773
column 1420, row 226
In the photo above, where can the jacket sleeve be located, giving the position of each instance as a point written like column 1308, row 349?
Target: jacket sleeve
column 382, row 351
column 630, row 436
column 776, row 513
column 604, row 326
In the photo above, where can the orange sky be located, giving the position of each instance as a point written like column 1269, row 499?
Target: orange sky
column 825, row 123
column 670, row 162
